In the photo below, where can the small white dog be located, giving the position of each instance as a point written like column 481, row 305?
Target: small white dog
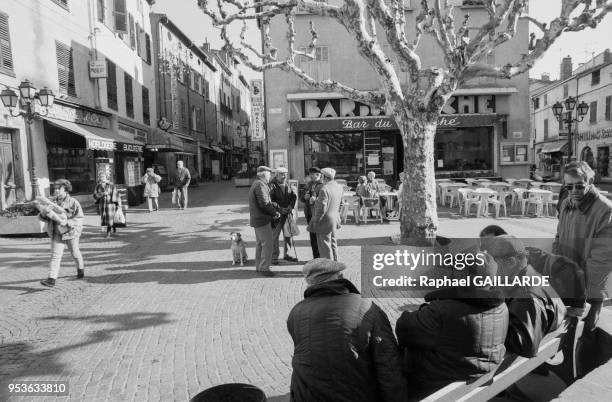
column 239, row 253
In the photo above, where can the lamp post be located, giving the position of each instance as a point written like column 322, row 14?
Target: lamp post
column 28, row 95
column 568, row 118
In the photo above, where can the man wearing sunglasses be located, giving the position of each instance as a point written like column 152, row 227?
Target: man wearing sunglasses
column 584, row 235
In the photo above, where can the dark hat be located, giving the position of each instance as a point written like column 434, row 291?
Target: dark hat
column 321, row 269
column 314, row 169
column 264, row 169
column 505, row 246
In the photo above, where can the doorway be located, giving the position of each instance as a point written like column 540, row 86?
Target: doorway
column 7, row 170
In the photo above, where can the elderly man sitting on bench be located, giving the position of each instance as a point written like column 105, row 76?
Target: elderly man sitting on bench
column 534, row 310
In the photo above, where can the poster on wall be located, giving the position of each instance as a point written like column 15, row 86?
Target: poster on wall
column 278, row 158
column 388, row 167
column 373, row 160
column 132, row 173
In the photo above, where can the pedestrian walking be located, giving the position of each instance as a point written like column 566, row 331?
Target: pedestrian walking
column 182, row 179
column 65, row 234
column 310, row 195
column 261, row 213
column 326, row 218
column 282, row 194
column 151, row 190
column 108, row 200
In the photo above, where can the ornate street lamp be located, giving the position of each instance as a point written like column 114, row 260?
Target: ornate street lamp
column 28, row 111
column 568, row 118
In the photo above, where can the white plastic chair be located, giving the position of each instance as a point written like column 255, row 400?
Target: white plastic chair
column 473, row 199
column 350, row 203
column 536, row 200
column 463, row 198
column 451, row 193
column 518, row 198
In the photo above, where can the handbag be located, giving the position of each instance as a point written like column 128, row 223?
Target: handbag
column 119, row 218
column 290, row 228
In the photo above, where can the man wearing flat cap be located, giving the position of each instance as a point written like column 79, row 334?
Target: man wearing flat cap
column 344, row 348
column 262, row 211
column 282, row 194
column 326, row 217
column 534, row 310
column 308, row 198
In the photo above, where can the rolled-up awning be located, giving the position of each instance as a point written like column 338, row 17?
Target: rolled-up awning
column 162, row 141
column 217, row 149
column 98, row 137
column 554, row 146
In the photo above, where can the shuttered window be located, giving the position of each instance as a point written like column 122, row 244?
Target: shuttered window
column 132, row 32
column 148, row 47
column 111, row 85
column 138, row 42
column 146, row 118
column 6, row 56
column 101, row 10
column 129, row 95
column 608, row 106
column 65, row 69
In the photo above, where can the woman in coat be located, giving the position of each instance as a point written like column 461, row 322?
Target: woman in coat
column 65, row 235
column 151, row 190
column 108, row 200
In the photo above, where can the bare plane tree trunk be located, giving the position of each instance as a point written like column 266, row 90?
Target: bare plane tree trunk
column 419, row 220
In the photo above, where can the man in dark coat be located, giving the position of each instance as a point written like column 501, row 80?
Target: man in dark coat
column 181, row 184
column 282, row 194
column 344, row 349
column 310, row 195
column 326, row 217
column 534, row 310
column 457, row 335
column 262, row 211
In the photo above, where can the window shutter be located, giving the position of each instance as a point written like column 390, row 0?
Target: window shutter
column 608, row 106
column 6, row 56
column 593, row 109
column 138, row 42
column 65, row 69
column 120, row 14
column 129, row 95
column 146, row 118
column 111, row 85
column 101, row 10
column 148, row 47
column 132, row 32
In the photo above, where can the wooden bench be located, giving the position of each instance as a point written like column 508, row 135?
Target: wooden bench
column 557, row 349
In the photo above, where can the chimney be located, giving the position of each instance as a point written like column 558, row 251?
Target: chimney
column 546, row 77
column 566, row 68
column 607, row 56
column 206, row 47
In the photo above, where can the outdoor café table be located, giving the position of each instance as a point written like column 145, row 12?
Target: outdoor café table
column 493, row 184
column 444, row 186
column 537, row 184
column 390, row 196
column 511, row 181
column 523, row 183
column 484, row 194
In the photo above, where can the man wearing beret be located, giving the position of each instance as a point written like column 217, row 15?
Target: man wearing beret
column 344, row 348
column 310, row 195
column 282, row 194
column 262, row 211
column 326, row 218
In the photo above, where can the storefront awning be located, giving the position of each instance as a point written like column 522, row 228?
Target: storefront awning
column 98, row 137
column 162, row 141
column 206, row 147
column 217, row 149
column 555, row 146
column 446, row 121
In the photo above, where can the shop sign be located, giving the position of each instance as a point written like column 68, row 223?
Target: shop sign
column 257, row 132
column 134, row 133
column 101, row 145
column 122, row 147
column 97, row 69
column 80, row 116
column 605, row 132
column 469, row 104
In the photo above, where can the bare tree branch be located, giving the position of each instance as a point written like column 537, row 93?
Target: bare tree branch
column 537, row 23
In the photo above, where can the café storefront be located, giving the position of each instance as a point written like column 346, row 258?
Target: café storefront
column 465, row 143
column 82, row 146
column 594, row 146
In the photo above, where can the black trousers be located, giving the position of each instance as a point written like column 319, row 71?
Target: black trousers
column 313, row 241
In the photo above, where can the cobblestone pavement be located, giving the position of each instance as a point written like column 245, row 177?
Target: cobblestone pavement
column 162, row 313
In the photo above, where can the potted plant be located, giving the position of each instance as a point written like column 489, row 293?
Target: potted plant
column 20, row 219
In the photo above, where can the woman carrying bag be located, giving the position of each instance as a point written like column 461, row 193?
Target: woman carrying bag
column 151, row 190
column 109, row 203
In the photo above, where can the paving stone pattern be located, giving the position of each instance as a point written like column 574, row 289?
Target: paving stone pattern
column 162, row 314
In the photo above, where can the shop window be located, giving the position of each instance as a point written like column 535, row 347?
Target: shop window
column 129, row 95
column 464, row 150
column 603, row 161
column 588, row 157
column 595, row 75
column 593, row 111
column 6, row 55
column 65, row 69
column 608, row 106
column 146, row 118
column 111, row 85
column 514, row 153
column 343, row 151
column 75, row 164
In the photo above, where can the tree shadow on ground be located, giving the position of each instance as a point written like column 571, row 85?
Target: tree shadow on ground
column 20, row 359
